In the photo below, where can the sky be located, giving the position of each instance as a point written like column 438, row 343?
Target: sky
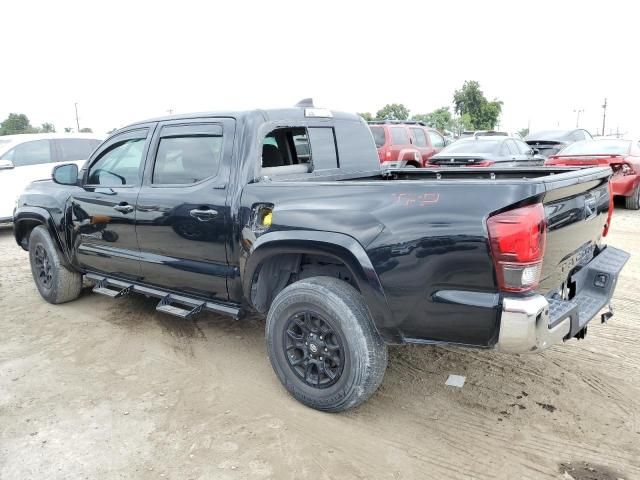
column 124, row 61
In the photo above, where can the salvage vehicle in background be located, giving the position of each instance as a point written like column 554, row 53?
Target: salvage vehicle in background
column 490, row 133
column 405, row 143
column 341, row 257
column 549, row 142
column 486, row 151
column 29, row 157
column 623, row 156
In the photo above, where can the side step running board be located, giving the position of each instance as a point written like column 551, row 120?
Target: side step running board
column 173, row 304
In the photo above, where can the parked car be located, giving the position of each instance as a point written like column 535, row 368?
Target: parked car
column 485, row 151
column 406, row 143
column 623, row 156
column 343, row 258
column 549, row 142
column 490, row 133
column 28, row 157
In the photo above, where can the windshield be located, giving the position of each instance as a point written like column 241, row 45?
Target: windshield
column 472, row 146
column 4, row 146
column 378, row 135
column 596, row 147
column 548, row 135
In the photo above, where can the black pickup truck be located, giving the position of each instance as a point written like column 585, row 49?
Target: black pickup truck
column 286, row 212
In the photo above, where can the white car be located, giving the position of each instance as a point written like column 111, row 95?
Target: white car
column 28, row 157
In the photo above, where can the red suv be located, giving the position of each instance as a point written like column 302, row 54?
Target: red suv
column 405, row 143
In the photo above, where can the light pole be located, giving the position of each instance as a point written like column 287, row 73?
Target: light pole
column 604, row 114
column 578, row 112
column 77, row 121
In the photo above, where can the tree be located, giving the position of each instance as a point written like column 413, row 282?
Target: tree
column 111, row 131
column 15, row 123
column 523, row 132
column 47, row 127
column 393, row 111
column 68, row 129
column 86, row 130
column 366, row 116
column 482, row 113
column 440, row 118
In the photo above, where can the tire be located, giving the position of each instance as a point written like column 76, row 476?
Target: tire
column 632, row 202
column 55, row 282
column 354, row 366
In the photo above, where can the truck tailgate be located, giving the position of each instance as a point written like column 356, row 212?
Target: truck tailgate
column 576, row 216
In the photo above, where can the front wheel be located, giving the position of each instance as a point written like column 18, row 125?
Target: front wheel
column 632, row 202
column 55, row 282
column 323, row 346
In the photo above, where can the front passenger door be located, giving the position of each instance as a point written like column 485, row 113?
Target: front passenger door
column 103, row 208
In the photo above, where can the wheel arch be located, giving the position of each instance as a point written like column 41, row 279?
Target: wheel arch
column 342, row 248
column 26, row 219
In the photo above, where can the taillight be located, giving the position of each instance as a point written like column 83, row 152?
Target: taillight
column 482, row 163
column 388, row 153
column 518, row 239
column 627, row 169
column 607, row 225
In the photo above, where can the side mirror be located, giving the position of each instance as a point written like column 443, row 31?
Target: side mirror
column 535, row 151
column 6, row 164
column 66, row 174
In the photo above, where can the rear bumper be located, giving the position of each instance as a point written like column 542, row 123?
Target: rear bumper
column 623, row 185
column 534, row 323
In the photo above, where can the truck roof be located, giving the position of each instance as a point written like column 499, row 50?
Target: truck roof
column 274, row 114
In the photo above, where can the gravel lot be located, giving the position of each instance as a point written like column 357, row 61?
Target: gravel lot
column 103, row 388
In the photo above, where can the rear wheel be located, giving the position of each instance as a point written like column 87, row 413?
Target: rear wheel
column 632, row 202
column 55, row 282
column 323, row 346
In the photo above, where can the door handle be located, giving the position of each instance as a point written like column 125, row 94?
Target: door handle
column 124, row 208
column 203, row 215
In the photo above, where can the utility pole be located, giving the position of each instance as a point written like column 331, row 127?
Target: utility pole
column 77, row 121
column 578, row 112
column 170, row 111
column 604, row 114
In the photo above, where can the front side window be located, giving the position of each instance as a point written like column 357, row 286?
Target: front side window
column 399, row 136
column 419, row 137
column 30, row 153
column 118, row 165
column 437, row 140
column 72, row 149
column 189, row 159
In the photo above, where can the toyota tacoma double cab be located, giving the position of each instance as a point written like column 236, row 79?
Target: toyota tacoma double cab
column 287, row 213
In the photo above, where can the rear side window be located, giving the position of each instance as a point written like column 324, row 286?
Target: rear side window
column 118, row 165
column 523, row 147
column 511, row 146
column 30, row 153
column 399, row 136
column 323, row 148
column 419, row 137
column 378, row 136
column 76, row 148
column 188, row 154
column 437, row 140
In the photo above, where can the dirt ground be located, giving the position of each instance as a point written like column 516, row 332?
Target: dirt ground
column 103, row 389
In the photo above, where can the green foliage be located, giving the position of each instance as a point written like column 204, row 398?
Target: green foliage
column 15, row 123
column 440, row 118
column 68, row 129
column 523, row 132
column 367, row 116
column 482, row 114
column 111, row 131
column 393, row 111
column 86, row 130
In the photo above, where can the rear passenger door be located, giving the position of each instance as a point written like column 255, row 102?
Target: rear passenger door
column 183, row 223
column 422, row 144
